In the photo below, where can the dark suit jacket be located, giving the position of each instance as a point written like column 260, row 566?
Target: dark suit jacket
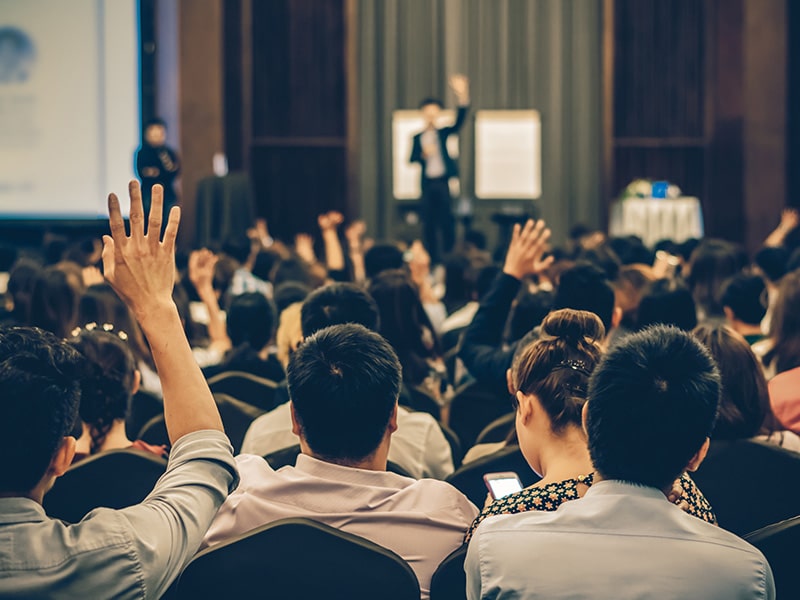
column 451, row 167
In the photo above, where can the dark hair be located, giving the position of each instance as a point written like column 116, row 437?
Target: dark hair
column 293, row 269
column 426, row 101
column 39, row 395
column 485, row 279
column 631, row 250
column 265, row 263
column 155, row 121
column 603, row 257
column 530, row 309
column 785, row 326
column 652, row 403
column 744, row 404
column 54, row 301
column 746, row 296
column 250, row 320
column 107, row 383
column 337, row 304
column 631, row 285
column 288, row 293
column 667, row 302
column 21, row 281
column 712, row 262
column 773, row 262
column 382, row 257
column 557, row 366
column 238, row 247
column 344, row 382
column 404, row 322
column 585, row 287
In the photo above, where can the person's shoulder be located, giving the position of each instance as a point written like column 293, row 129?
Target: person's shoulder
column 440, row 494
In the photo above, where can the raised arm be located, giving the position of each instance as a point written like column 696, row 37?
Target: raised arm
column 141, row 269
column 201, row 274
column 329, row 228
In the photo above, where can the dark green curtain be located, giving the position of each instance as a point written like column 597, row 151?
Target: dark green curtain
column 539, row 54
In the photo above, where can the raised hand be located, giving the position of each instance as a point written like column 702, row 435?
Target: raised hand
column 330, row 220
column 790, row 218
column 141, row 267
column 201, row 269
column 304, row 246
column 528, row 245
column 354, row 232
column 460, row 86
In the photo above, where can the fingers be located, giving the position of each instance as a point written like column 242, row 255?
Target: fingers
column 108, row 256
column 171, row 232
column 137, row 210
column 156, row 215
column 115, row 222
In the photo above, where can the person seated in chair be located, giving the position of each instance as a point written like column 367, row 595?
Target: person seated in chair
column 344, row 382
column 652, row 403
column 418, row 446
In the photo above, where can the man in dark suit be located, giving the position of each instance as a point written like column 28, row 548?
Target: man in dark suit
column 429, row 149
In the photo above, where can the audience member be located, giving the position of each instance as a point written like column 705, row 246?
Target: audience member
column 344, row 382
column 140, row 550
column 667, row 302
column 780, row 352
column 382, row 257
column 712, row 262
column 21, row 281
column 54, row 300
column 745, row 300
column 651, row 407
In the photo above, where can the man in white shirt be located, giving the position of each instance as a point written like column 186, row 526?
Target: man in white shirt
column 344, row 382
column 418, row 445
column 651, row 406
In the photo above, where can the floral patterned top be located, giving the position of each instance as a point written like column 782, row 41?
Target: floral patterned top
column 549, row 497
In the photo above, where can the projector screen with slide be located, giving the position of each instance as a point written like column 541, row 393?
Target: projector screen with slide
column 69, row 105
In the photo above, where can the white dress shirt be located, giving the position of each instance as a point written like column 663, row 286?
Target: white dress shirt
column 421, row 520
column 418, row 445
column 619, row 541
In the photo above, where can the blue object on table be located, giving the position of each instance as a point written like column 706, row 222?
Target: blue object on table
column 660, row 189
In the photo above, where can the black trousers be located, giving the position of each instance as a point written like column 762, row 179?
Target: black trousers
column 437, row 218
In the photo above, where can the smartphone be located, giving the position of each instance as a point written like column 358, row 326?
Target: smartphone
column 502, row 484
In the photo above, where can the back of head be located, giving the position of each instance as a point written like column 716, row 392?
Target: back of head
column 556, row 367
column 746, row 296
column 585, row 287
column 39, row 395
column 785, row 325
column 295, row 270
column 107, row 382
column 250, row 320
column 632, row 283
column 744, row 404
column 631, row 250
column 344, row 382
column 773, row 262
column 530, row 309
column 238, row 248
column 337, row 304
column 667, row 302
column 54, row 302
column 712, row 262
column 21, row 281
column 382, row 257
column 289, row 293
column 652, row 403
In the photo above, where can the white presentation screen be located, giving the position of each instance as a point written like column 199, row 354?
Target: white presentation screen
column 69, row 105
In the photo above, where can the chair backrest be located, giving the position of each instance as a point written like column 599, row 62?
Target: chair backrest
column 449, row 581
column 779, row 543
column 236, row 418
column 143, row 407
column 469, row 478
column 416, row 398
column 154, row 432
column 750, row 484
column 114, row 479
column 497, row 430
column 473, row 407
column 246, row 387
column 288, row 456
column 300, row 559
column 456, row 450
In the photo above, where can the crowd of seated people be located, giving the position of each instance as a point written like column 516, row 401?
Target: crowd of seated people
column 608, row 360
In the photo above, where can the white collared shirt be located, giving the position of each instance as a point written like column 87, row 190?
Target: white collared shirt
column 619, row 541
column 421, row 520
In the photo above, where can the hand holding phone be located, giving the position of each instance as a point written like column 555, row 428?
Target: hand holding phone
column 502, row 484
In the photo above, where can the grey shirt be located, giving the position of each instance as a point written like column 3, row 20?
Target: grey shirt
column 135, row 552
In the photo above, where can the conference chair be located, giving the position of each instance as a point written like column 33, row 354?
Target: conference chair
column 750, row 484
column 449, row 582
column 154, row 432
column 256, row 391
column 456, row 449
column 473, row 407
column 779, row 543
column 143, row 407
column 469, row 478
column 299, row 559
column 497, row 430
column 113, row 479
column 288, row 456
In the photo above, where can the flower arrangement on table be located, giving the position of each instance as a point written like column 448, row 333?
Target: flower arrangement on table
column 648, row 188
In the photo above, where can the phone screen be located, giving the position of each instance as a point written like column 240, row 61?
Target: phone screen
column 501, row 486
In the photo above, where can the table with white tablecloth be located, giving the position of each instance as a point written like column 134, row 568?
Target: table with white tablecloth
column 655, row 219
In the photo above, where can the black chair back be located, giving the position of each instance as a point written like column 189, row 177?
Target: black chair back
column 449, row 582
column 237, row 416
column 497, row 430
column 143, row 407
column 113, row 479
column 300, row 559
column 469, row 478
column 750, row 484
column 473, row 407
column 154, row 432
column 779, row 543
column 456, row 450
column 246, row 387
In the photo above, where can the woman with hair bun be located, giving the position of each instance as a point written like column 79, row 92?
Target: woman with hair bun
column 107, row 387
column 550, row 378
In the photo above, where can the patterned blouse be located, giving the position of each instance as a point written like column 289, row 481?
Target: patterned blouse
column 549, row 497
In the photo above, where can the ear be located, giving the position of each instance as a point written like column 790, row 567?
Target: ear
column 616, row 317
column 525, row 407
column 137, row 381
column 585, row 418
column 392, row 426
column 728, row 314
column 509, row 383
column 698, row 458
column 295, row 422
column 62, row 459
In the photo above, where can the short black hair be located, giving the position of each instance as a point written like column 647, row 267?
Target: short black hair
column 251, row 320
column 746, row 296
column 652, row 403
column 585, row 287
column 288, row 293
column 382, row 257
column 773, row 262
column 667, row 302
column 337, row 304
column 155, row 121
column 238, row 247
column 39, row 396
column 344, row 382
column 430, row 100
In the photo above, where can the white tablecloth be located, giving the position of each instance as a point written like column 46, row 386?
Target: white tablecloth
column 657, row 219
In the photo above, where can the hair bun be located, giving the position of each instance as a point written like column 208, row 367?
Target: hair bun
column 574, row 326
